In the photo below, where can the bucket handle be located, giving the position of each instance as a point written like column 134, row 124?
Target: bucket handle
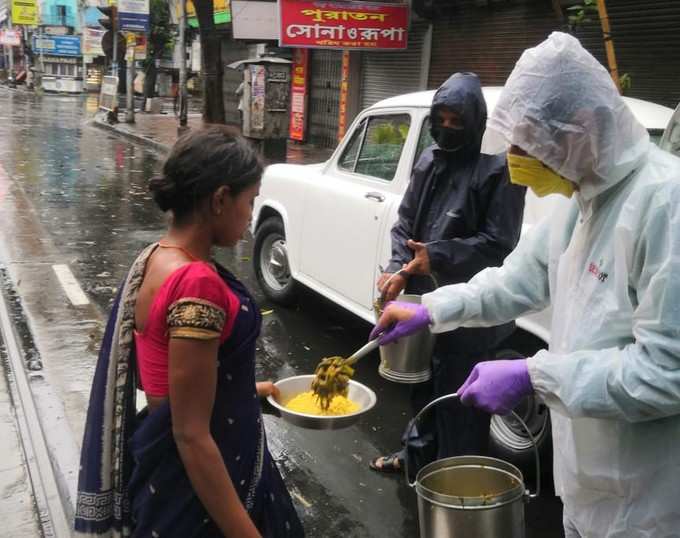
column 517, row 417
column 432, row 277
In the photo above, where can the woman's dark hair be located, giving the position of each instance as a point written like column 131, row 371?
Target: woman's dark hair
column 200, row 163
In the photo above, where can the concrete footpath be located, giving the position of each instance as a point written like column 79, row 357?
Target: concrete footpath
column 159, row 131
column 17, row 503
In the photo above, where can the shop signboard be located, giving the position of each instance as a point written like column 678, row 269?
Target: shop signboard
column 25, row 12
column 57, row 45
column 92, row 41
column 133, row 15
column 10, row 37
column 298, row 95
column 343, row 25
column 221, row 12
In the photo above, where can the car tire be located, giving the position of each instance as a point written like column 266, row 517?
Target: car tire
column 508, row 439
column 270, row 261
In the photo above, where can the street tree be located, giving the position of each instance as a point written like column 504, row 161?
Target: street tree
column 159, row 40
column 211, row 63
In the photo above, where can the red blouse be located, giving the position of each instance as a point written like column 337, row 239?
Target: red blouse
column 193, row 302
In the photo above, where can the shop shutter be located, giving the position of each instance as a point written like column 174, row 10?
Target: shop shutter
column 647, row 44
column 488, row 40
column 385, row 74
column 324, row 97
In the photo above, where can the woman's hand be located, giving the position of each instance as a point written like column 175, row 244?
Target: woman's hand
column 267, row 388
column 400, row 319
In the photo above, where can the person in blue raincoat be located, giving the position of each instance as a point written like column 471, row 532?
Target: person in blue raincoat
column 459, row 215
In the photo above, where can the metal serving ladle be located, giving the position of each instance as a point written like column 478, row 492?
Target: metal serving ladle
column 332, row 375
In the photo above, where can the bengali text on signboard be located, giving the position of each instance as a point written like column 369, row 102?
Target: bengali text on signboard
column 344, row 25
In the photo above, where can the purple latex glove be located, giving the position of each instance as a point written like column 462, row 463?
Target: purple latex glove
column 400, row 319
column 497, row 386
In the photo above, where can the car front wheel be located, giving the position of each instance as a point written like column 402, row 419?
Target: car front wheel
column 271, row 264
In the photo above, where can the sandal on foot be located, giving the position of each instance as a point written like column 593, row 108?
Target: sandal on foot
column 387, row 464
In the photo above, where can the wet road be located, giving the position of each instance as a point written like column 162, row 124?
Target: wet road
column 84, row 199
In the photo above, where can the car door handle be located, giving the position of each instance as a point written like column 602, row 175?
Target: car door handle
column 375, row 196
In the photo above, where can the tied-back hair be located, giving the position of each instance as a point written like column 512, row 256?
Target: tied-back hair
column 201, row 162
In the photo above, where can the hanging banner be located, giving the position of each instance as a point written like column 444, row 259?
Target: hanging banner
column 258, row 75
column 344, row 25
column 25, row 12
column 10, row 38
column 221, row 12
column 298, row 95
column 92, row 41
column 133, row 15
column 344, row 92
column 141, row 46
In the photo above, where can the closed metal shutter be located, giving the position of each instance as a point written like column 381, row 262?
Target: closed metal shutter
column 324, row 97
column 647, row 44
column 488, row 40
column 385, row 74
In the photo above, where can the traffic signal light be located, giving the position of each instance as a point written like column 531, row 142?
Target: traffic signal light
column 110, row 22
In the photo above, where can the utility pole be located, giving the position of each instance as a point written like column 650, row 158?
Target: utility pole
column 608, row 42
column 81, row 12
column 11, row 52
column 130, row 41
column 182, row 67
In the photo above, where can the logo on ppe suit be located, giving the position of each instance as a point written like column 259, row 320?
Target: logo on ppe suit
column 595, row 270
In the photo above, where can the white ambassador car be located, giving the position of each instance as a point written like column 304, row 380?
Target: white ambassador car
column 327, row 226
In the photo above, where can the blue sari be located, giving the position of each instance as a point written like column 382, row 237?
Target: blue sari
column 132, row 480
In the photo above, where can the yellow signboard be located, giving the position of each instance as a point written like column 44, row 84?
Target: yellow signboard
column 221, row 10
column 25, row 12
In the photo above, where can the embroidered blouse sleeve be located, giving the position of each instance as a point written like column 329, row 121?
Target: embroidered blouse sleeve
column 198, row 305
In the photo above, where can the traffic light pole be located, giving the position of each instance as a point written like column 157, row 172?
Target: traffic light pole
column 129, row 82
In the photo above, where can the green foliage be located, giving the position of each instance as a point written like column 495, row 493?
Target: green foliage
column 583, row 13
column 161, row 32
column 388, row 133
column 626, row 82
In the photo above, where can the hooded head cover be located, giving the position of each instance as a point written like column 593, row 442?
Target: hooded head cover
column 562, row 107
column 462, row 93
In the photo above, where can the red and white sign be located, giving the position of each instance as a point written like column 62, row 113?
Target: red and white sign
column 298, row 95
column 10, row 38
column 344, row 92
column 344, row 25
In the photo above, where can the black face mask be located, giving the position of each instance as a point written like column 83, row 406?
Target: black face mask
column 448, row 139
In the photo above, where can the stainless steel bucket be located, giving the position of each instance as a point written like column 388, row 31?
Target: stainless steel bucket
column 472, row 496
column 408, row 360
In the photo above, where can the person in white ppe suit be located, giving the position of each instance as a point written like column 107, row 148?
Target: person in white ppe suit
column 608, row 261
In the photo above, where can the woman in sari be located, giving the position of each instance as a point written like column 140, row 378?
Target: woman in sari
column 195, row 462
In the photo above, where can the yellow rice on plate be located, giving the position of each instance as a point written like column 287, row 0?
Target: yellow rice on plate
column 308, row 403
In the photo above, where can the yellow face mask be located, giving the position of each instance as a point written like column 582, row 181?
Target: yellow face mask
column 532, row 173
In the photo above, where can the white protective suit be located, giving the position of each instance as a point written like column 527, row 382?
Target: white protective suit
column 608, row 261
